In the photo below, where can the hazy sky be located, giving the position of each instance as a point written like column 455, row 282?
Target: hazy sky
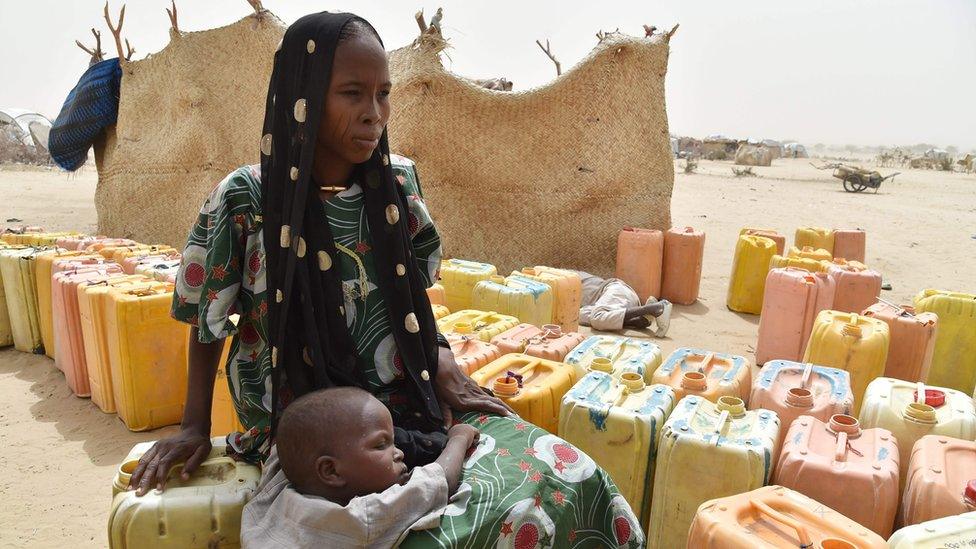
column 855, row 71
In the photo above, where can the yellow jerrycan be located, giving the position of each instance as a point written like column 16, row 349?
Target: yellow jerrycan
column 953, row 531
column 954, row 357
column 706, row 374
column 848, row 341
column 202, row 512
column 147, row 356
column 708, row 450
column 481, row 324
column 223, row 413
column 567, row 293
column 618, row 422
column 615, row 355
column 6, row 336
column 527, row 300
column 814, row 237
column 20, row 289
column 459, row 277
column 749, row 268
column 533, row 387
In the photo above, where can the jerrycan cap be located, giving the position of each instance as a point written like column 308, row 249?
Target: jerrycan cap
column 799, row 397
column 508, row 385
column 694, row 381
column 462, row 328
column 601, row 364
column 843, row 423
column 933, row 397
column 633, row 381
column 498, row 279
column 970, row 492
column 552, row 331
column 922, row 413
column 733, row 405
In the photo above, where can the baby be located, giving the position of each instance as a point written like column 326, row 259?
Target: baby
column 336, row 479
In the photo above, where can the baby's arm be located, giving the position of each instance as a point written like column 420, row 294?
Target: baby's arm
column 459, row 439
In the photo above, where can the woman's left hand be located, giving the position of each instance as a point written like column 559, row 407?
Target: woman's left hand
column 456, row 391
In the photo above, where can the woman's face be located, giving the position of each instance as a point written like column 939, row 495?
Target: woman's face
column 357, row 105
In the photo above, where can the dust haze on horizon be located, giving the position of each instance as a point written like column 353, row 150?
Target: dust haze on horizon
column 862, row 72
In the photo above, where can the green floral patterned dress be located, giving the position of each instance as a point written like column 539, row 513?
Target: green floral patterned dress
column 521, row 486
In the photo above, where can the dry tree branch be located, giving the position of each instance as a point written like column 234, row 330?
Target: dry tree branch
column 548, row 51
column 673, row 30
column 173, row 17
column 419, row 16
column 129, row 50
column 256, row 4
column 649, row 31
column 603, row 35
column 96, row 53
column 116, row 31
column 435, row 22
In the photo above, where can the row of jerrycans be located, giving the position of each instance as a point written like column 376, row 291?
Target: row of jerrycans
column 536, row 295
column 666, row 265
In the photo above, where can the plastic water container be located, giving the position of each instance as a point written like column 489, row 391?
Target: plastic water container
column 913, row 410
column 850, row 244
column 640, row 255
column 771, row 234
column 774, row 516
column 204, row 511
column 749, row 268
column 470, row 353
column 849, row 469
column 482, row 324
column 793, row 298
column 708, row 450
column 437, row 295
column 856, row 286
column 615, row 355
column 953, row 531
column 533, row 387
column 567, row 293
column 954, row 357
column 684, row 250
column 814, row 237
column 618, row 423
column 526, row 299
column 548, row 341
column 850, row 342
column 941, row 479
column 912, row 342
column 459, row 277
column 706, row 374
column 20, row 290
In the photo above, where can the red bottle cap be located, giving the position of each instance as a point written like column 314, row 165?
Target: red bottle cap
column 933, row 397
column 970, row 492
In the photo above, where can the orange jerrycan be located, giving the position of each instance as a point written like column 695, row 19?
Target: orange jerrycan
column 91, row 311
column 43, row 269
column 851, row 342
column 776, row 517
column 204, row 511
column 808, row 252
column 849, row 244
column 76, row 243
column 470, row 352
column 814, row 237
column 792, row 300
column 952, row 531
column 707, row 451
column 437, row 295
column 954, row 358
column 533, row 387
column 521, row 297
column 749, row 268
column 792, row 390
column 548, row 342
column 684, row 250
column 567, row 294
column 615, row 355
column 67, row 324
column 913, row 410
column 912, row 340
column 771, row 234
column 147, row 355
column 481, row 324
column 640, row 253
column 941, row 479
column 101, row 243
column 706, row 374
column 856, row 287
column 851, row 470
column 618, row 422
column 459, row 276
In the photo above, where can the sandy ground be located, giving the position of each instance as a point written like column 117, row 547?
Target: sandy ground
column 59, row 453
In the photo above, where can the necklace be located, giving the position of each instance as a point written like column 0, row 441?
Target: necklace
column 333, row 189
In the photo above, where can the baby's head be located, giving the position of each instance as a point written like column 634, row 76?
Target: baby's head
column 338, row 444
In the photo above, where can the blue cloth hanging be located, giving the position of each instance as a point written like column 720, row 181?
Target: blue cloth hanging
column 90, row 107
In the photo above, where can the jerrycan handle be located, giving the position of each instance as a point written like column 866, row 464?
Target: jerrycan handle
column 769, row 512
column 705, row 362
column 840, row 451
column 722, row 418
column 920, row 393
column 805, row 378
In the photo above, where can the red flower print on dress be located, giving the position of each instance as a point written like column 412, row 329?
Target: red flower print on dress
column 621, row 528
column 482, row 419
column 524, row 466
column 536, row 476
column 527, row 536
column 249, row 335
column 193, row 274
column 531, row 452
column 506, row 529
column 538, row 500
column 566, row 453
column 254, row 262
column 520, row 426
column 572, row 535
column 559, row 498
column 413, row 224
column 211, row 295
column 218, row 272
column 362, row 248
column 503, row 452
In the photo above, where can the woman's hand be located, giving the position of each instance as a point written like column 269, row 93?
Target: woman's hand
column 458, row 392
column 154, row 465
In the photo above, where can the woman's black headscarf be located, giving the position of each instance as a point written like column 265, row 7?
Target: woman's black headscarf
column 311, row 345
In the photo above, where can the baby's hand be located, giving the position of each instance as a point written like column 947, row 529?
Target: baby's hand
column 466, row 432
